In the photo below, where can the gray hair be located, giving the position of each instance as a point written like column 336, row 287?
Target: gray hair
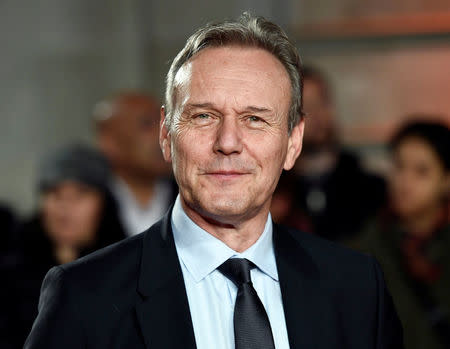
column 248, row 31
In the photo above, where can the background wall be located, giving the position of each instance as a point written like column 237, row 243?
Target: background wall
column 59, row 57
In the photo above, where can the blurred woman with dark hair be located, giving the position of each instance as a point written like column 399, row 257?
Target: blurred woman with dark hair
column 76, row 215
column 411, row 240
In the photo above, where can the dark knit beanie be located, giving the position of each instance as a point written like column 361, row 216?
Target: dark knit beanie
column 78, row 163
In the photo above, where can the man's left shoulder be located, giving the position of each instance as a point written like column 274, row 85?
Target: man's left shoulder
column 332, row 261
column 346, row 287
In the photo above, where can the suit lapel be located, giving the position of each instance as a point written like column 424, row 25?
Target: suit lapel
column 300, row 290
column 163, row 310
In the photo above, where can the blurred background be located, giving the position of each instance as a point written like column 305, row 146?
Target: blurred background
column 384, row 60
column 81, row 166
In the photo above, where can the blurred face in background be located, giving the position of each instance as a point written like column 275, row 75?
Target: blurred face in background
column 130, row 138
column 419, row 181
column 319, row 128
column 71, row 213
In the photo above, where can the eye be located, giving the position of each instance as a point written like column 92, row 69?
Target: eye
column 255, row 121
column 203, row 118
column 253, row 118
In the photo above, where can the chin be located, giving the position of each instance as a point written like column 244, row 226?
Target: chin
column 220, row 203
column 225, row 205
column 219, row 208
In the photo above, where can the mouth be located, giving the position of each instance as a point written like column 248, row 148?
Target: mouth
column 226, row 175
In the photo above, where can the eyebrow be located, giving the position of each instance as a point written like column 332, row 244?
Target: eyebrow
column 257, row 109
column 249, row 108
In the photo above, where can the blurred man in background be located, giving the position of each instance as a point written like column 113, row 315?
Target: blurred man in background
column 127, row 128
column 328, row 193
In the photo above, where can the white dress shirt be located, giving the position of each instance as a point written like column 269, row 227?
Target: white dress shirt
column 135, row 217
column 211, row 295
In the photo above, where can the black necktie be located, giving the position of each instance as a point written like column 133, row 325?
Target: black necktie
column 251, row 324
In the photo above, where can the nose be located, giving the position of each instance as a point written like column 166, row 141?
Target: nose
column 228, row 136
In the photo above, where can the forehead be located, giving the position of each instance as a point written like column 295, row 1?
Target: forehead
column 131, row 112
column 414, row 148
column 69, row 185
column 251, row 75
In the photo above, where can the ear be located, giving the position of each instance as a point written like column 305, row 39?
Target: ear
column 164, row 137
column 294, row 145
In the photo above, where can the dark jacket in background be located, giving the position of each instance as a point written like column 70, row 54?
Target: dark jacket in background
column 345, row 199
column 8, row 223
column 8, row 259
column 423, row 307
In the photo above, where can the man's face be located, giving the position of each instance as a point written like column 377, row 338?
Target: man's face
column 230, row 142
column 135, row 134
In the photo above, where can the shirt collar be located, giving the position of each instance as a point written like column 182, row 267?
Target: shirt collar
column 201, row 253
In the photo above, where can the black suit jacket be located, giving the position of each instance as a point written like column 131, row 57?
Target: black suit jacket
column 132, row 295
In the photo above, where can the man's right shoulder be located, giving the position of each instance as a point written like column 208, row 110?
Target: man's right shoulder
column 74, row 296
column 107, row 268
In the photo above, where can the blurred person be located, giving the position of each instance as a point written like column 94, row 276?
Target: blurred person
column 76, row 215
column 7, row 261
column 328, row 192
column 216, row 272
column 411, row 238
column 8, row 222
column 127, row 128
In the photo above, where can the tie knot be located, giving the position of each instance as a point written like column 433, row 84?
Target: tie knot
column 237, row 270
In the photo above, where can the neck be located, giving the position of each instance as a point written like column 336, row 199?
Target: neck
column 143, row 189
column 423, row 225
column 65, row 254
column 237, row 233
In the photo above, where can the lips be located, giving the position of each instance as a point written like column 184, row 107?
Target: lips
column 232, row 174
column 227, row 173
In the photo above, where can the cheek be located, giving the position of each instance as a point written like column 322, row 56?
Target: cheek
column 270, row 154
column 416, row 190
column 396, row 184
column 182, row 160
column 87, row 212
column 433, row 189
column 49, row 207
column 190, row 149
column 52, row 211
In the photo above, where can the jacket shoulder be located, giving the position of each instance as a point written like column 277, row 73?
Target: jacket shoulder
column 331, row 259
column 107, row 268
